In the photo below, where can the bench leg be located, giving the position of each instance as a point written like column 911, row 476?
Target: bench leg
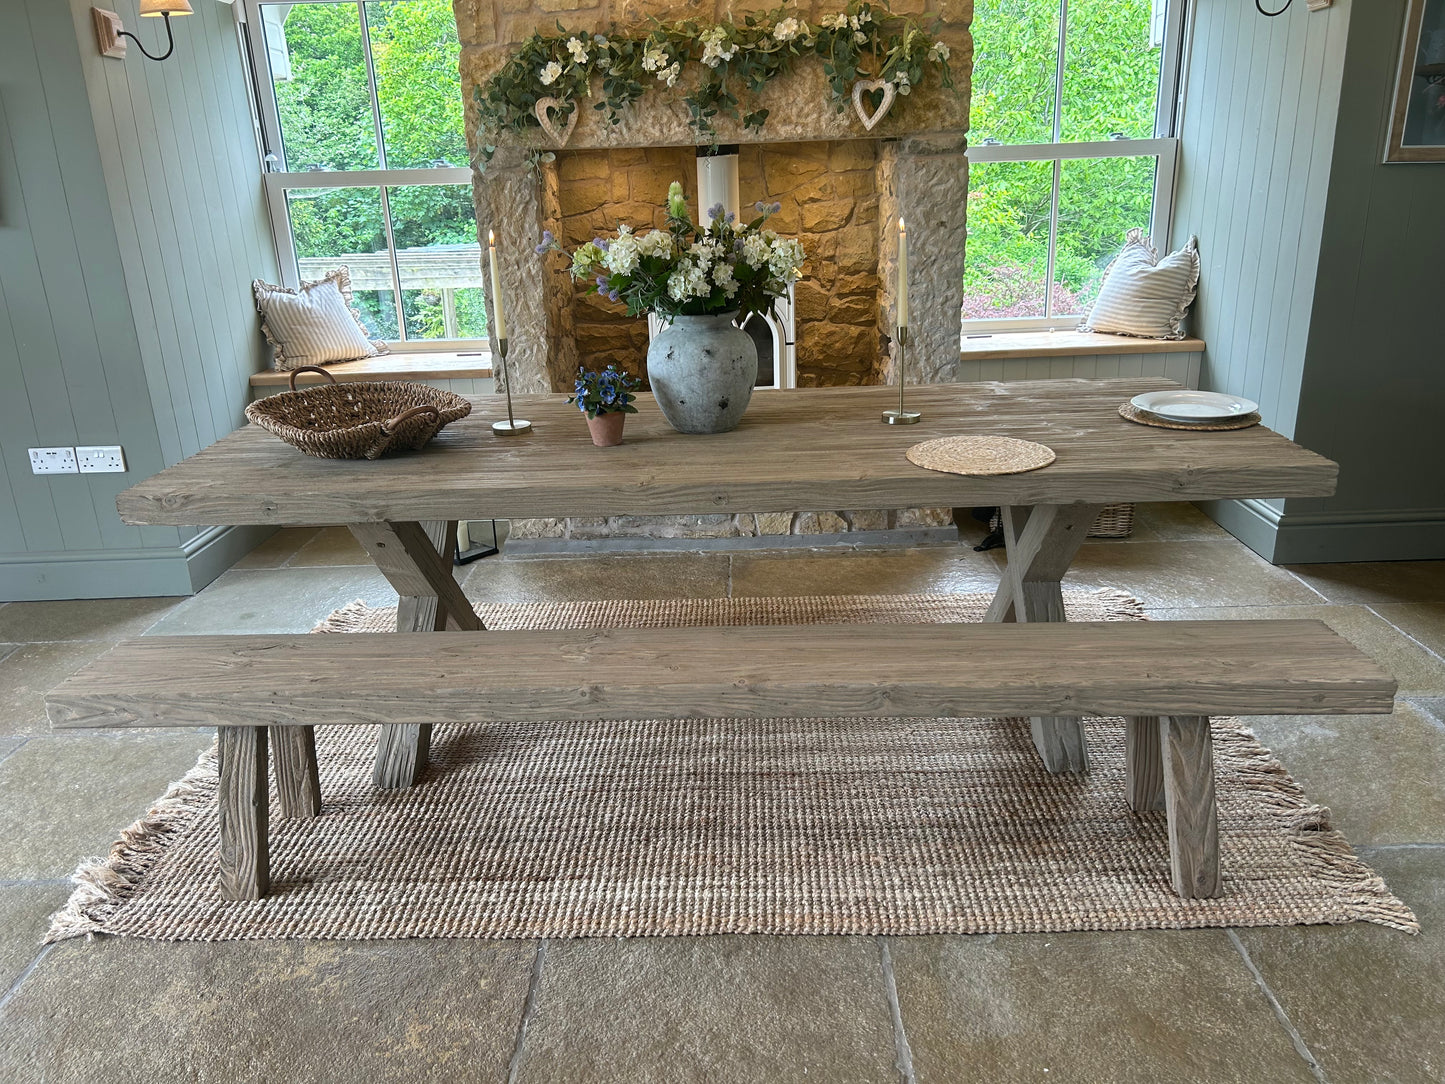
column 245, row 863
column 1042, row 541
column 1143, row 766
column 417, row 559
column 1188, row 758
column 298, row 785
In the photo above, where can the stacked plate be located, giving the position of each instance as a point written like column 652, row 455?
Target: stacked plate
column 1182, row 408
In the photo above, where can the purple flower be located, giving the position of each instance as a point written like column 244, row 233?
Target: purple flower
column 716, row 211
column 729, row 218
column 613, row 296
column 602, row 282
column 761, row 207
column 775, row 208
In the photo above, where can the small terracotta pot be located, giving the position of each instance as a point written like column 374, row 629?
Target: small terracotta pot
column 606, row 429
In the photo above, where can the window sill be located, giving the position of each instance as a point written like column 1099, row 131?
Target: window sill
column 390, row 367
column 1036, row 344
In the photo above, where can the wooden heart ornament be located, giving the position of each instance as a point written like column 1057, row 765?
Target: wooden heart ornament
column 544, row 109
column 871, row 86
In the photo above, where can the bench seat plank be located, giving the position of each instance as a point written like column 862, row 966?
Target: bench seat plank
column 1174, row 668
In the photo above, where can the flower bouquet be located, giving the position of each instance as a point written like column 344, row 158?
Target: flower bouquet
column 606, row 398
column 704, row 280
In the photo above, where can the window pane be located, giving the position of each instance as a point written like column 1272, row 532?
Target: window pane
column 336, row 226
column 1015, row 59
column 414, row 48
column 1111, row 71
column 1100, row 199
column 1007, row 257
column 318, row 67
column 435, row 229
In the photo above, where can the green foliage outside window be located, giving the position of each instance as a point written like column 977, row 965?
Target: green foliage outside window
column 1110, row 80
column 327, row 124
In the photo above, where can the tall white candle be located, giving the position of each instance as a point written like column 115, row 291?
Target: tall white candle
column 902, row 273
column 497, row 309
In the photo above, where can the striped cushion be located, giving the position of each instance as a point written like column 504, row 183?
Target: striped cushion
column 1143, row 295
column 314, row 325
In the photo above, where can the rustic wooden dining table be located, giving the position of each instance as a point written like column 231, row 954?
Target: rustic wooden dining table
column 821, row 449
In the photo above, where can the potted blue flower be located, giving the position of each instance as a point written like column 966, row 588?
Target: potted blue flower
column 606, row 398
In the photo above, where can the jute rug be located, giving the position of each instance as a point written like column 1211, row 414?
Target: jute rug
column 721, row 826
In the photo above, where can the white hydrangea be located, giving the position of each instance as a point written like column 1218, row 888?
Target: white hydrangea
column 653, row 59
column 655, row 243
column 785, row 259
column 578, row 50
column 623, row 253
column 789, row 29
column 670, row 73
column 901, row 79
column 940, row 51
column 687, row 281
column 550, row 71
column 756, row 250
column 722, row 276
column 860, row 37
column 715, row 46
column 837, row 22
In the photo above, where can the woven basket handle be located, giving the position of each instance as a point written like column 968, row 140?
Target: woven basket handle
column 408, row 415
column 308, row 369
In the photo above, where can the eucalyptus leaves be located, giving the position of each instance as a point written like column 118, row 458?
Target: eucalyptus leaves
column 722, row 67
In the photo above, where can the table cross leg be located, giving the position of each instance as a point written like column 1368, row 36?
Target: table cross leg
column 417, row 559
column 1041, row 542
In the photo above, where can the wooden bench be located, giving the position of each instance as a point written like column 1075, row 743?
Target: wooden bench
column 1166, row 678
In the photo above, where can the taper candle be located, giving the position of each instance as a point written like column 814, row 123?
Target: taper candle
column 902, row 273
column 497, row 309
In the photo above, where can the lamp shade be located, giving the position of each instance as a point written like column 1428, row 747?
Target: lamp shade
column 151, row 9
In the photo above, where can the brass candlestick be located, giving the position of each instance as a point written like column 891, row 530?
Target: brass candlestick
column 511, row 425
column 901, row 416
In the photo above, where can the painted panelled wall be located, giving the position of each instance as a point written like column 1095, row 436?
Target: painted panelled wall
column 1181, row 366
column 1261, row 97
column 131, row 221
column 1374, row 380
column 1319, row 288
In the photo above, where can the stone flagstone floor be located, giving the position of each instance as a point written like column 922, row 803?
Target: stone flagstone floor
column 1347, row 1004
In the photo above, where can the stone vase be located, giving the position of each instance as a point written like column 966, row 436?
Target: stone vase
column 702, row 370
column 606, row 429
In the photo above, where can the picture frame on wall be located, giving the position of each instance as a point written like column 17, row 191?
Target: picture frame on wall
column 1417, row 117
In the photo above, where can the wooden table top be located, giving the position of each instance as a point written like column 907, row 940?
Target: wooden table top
column 814, row 449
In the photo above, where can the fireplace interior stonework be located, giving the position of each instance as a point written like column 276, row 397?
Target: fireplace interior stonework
column 841, row 188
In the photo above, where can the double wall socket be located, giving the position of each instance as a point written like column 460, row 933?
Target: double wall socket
column 92, row 459
column 53, row 461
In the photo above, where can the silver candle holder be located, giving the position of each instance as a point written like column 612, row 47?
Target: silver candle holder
column 901, row 416
column 511, row 425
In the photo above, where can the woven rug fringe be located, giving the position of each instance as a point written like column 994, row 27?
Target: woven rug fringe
column 1325, row 851
column 103, row 884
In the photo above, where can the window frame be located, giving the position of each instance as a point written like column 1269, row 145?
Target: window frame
column 1163, row 146
column 278, row 182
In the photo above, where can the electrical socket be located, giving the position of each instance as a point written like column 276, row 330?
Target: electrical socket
column 53, row 461
column 101, row 459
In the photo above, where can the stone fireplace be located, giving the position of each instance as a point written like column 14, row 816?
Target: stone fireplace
column 841, row 187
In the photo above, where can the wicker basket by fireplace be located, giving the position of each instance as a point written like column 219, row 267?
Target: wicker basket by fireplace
column 1115, row 521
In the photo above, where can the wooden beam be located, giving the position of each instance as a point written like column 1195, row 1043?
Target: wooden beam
column 1114, row 668
column 402, row 748
column 416, row 569
column 243, row 798
column 1187, row 749
column 298, row 783
column 1042, row 542
column 1143, row 765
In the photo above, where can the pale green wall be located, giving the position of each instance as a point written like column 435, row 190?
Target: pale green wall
column 131, row 221
column 1319, row 288
column 1374, row 380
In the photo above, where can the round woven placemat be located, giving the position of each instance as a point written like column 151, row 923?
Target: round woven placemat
column 980, row 455
column 1143, row 417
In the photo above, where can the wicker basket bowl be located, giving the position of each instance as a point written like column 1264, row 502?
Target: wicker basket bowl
column 363, row 420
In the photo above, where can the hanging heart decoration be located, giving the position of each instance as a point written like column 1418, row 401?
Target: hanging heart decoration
column 870, row 86
column 544, row 109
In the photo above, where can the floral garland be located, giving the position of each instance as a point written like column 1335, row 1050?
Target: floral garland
column 542, row 84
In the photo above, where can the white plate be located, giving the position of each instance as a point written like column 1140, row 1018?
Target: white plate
column 1194, row 406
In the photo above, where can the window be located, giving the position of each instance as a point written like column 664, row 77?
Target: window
column 1072, row 145
column 361, row 118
